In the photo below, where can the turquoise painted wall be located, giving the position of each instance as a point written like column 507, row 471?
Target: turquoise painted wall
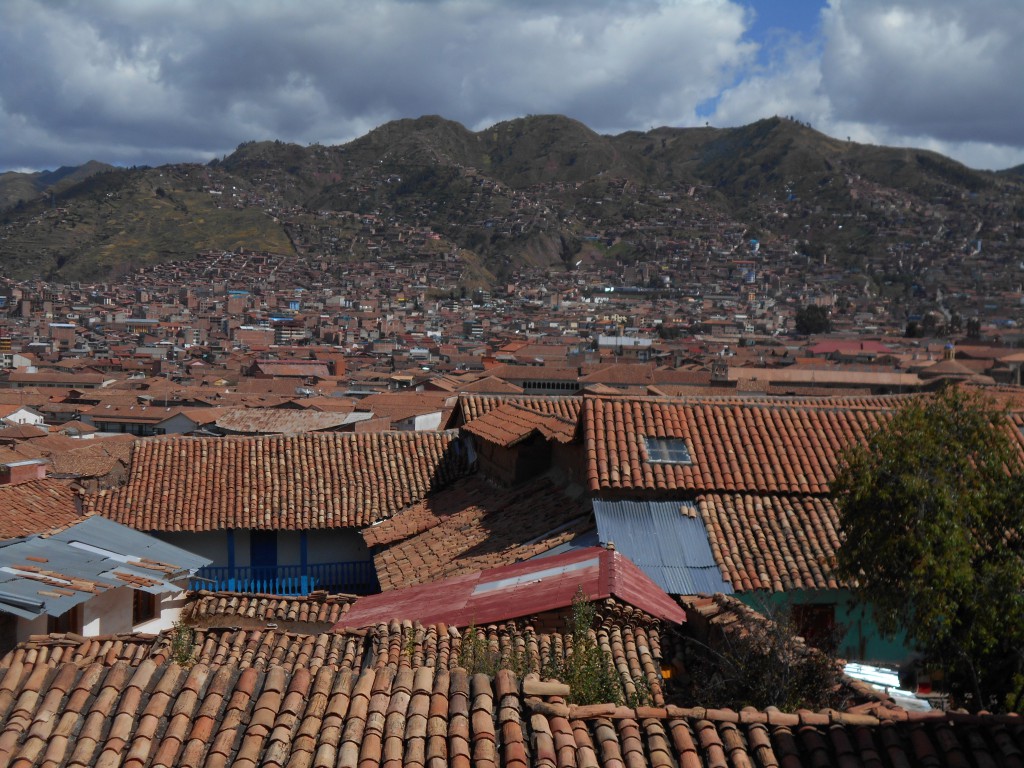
column 861, row 640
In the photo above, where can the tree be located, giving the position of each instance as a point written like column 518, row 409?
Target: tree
column 813, row 319
column 932, row 516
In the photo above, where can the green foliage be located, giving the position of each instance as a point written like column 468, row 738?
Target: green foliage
column 932, row 517
column 764, row 665
column 182, row 639
column 813, row 319
column 588, row 669
column 478, row 655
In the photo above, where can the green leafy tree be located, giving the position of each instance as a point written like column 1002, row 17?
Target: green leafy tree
column 813, row 319
column 932, row 514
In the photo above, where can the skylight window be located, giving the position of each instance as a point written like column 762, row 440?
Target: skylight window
column 667, row 450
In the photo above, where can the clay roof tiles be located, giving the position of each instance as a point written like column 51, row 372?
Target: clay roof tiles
column 775, row 543
column 474, row 526
column 511, row 423
column 415, row 706
column 733, row 447
column 309, row 481
column 235, row 608
column 475, row 406
column 35, row 507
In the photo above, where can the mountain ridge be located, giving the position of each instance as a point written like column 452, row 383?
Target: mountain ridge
column 529, row 188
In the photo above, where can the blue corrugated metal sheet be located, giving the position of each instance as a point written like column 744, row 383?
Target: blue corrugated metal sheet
column 666, row 539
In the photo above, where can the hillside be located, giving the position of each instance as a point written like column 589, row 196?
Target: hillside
column 23, row 188
column 540, row 190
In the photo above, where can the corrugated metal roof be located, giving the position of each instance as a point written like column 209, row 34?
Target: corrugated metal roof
column 52, row 574
column 517, row 591
column 666, row 539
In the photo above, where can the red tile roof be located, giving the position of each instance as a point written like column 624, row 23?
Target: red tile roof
column 304, row 482
column 511, row 423
column 733, row 447
column 473, row 526
column 219, row 609
column 35, row 507
column 268, row 699
column 475, row 406
column 775, row 543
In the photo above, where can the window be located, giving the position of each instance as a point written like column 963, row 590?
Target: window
column 667, row 450
column 144, row 606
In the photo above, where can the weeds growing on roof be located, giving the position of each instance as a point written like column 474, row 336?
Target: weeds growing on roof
column 479, row 655
column 588, row 669
column 182, row 638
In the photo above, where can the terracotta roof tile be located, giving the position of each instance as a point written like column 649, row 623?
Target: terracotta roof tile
column 475, row 406
column 318, row 611
column 474, row 526
column 511, row 423
column 770, row 542
column 299, row 482
column 733, row 447
column 223, row 713
column 35, row 507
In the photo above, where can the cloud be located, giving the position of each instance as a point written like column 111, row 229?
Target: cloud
column 933, row 74
column 940, row 68
column 148, row 82
column 126, row 78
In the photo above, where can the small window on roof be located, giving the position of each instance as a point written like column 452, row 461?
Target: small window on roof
column 667, row 450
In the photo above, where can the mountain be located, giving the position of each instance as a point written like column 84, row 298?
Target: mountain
column 18, row 187
column 537, row 191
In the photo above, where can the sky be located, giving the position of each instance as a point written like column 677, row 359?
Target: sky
column 148, row 82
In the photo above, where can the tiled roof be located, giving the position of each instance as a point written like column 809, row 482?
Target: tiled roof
column 278, row 420
column 23, row 432
column 475, row 406
column 776, row 543
column 213, row 609
column 35, row 507
column 220, row 713
column 511, row 423
column 475, row 526
column 737, row 447
column 311, row 481
column 634, row 643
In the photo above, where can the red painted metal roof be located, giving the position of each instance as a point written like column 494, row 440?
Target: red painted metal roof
column 517, row 591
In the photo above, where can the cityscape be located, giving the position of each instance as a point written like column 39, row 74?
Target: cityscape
column 612, row 417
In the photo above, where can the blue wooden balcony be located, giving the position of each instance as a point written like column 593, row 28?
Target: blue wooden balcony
column 358, row 578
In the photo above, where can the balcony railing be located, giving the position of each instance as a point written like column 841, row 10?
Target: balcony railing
column 352, row 577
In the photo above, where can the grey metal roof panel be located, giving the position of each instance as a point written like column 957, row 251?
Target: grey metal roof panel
column 666, row 539
column 106, row 534
column 95, row 551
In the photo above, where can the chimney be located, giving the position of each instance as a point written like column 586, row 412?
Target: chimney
column 18, row 472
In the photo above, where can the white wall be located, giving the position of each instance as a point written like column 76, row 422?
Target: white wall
column 169, row 612
column 108, row 613
column 209, row 544
column 335, row 545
